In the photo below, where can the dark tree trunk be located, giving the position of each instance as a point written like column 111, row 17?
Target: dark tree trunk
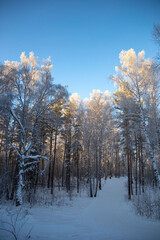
column 142, row 166
column 63, row 166
column 136, row 175
column 96, row 173
column 128, row 162
column 6, row 162
column 50, row 159
column 77, row 171
column 54, row 160
column 68, row 171
column 89, row 172
column 100, row 165
column 140, row 170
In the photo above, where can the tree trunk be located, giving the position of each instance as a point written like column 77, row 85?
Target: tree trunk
column 6, row 162
column 128, row 162
column 148, row 143
column 136, row 180
column 96, row 172
column 54, row 160
column 50, row 158
column 63, row 167
column 68, row 173
column 77, row 171
column 89, row 171
column 19, row 200
column 14, row 182
column 142, row 165
column 100, row 165
column 139, row 157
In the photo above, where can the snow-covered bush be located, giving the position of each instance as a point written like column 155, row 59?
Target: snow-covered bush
column 148, row 203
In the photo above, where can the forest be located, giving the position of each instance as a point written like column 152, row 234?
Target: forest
column 52, row 140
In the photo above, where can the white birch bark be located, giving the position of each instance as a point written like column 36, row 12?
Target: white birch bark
column 148, row 144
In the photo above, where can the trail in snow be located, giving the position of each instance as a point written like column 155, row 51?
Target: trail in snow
column 114, row 218
column 107, row 217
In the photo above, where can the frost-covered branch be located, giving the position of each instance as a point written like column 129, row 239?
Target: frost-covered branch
column 31, row 163
column 17, row 119
column 35, row 157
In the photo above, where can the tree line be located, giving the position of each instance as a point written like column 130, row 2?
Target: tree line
column 48, row 139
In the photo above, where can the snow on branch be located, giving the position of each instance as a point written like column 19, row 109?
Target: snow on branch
column 28, row 147
column 31, row 163
column 35, row 157
column 17, row 119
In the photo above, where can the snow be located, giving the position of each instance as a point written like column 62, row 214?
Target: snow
column 108, row 217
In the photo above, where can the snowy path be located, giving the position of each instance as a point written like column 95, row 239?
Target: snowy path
column 107, row 217
column 114, row 219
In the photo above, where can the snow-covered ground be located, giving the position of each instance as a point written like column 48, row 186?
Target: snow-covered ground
column 107, row 217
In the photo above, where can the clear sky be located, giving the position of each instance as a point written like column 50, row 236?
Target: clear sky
column 83, row 37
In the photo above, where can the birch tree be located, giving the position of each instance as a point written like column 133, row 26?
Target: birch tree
column 33, row 93
column 99, row 118
column 77, row 112
column 136, row 75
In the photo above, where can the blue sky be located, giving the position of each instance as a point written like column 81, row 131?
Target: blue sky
column 83, row 37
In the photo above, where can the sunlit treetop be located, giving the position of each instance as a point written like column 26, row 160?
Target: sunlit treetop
column 132, row 64
column 29, row 65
